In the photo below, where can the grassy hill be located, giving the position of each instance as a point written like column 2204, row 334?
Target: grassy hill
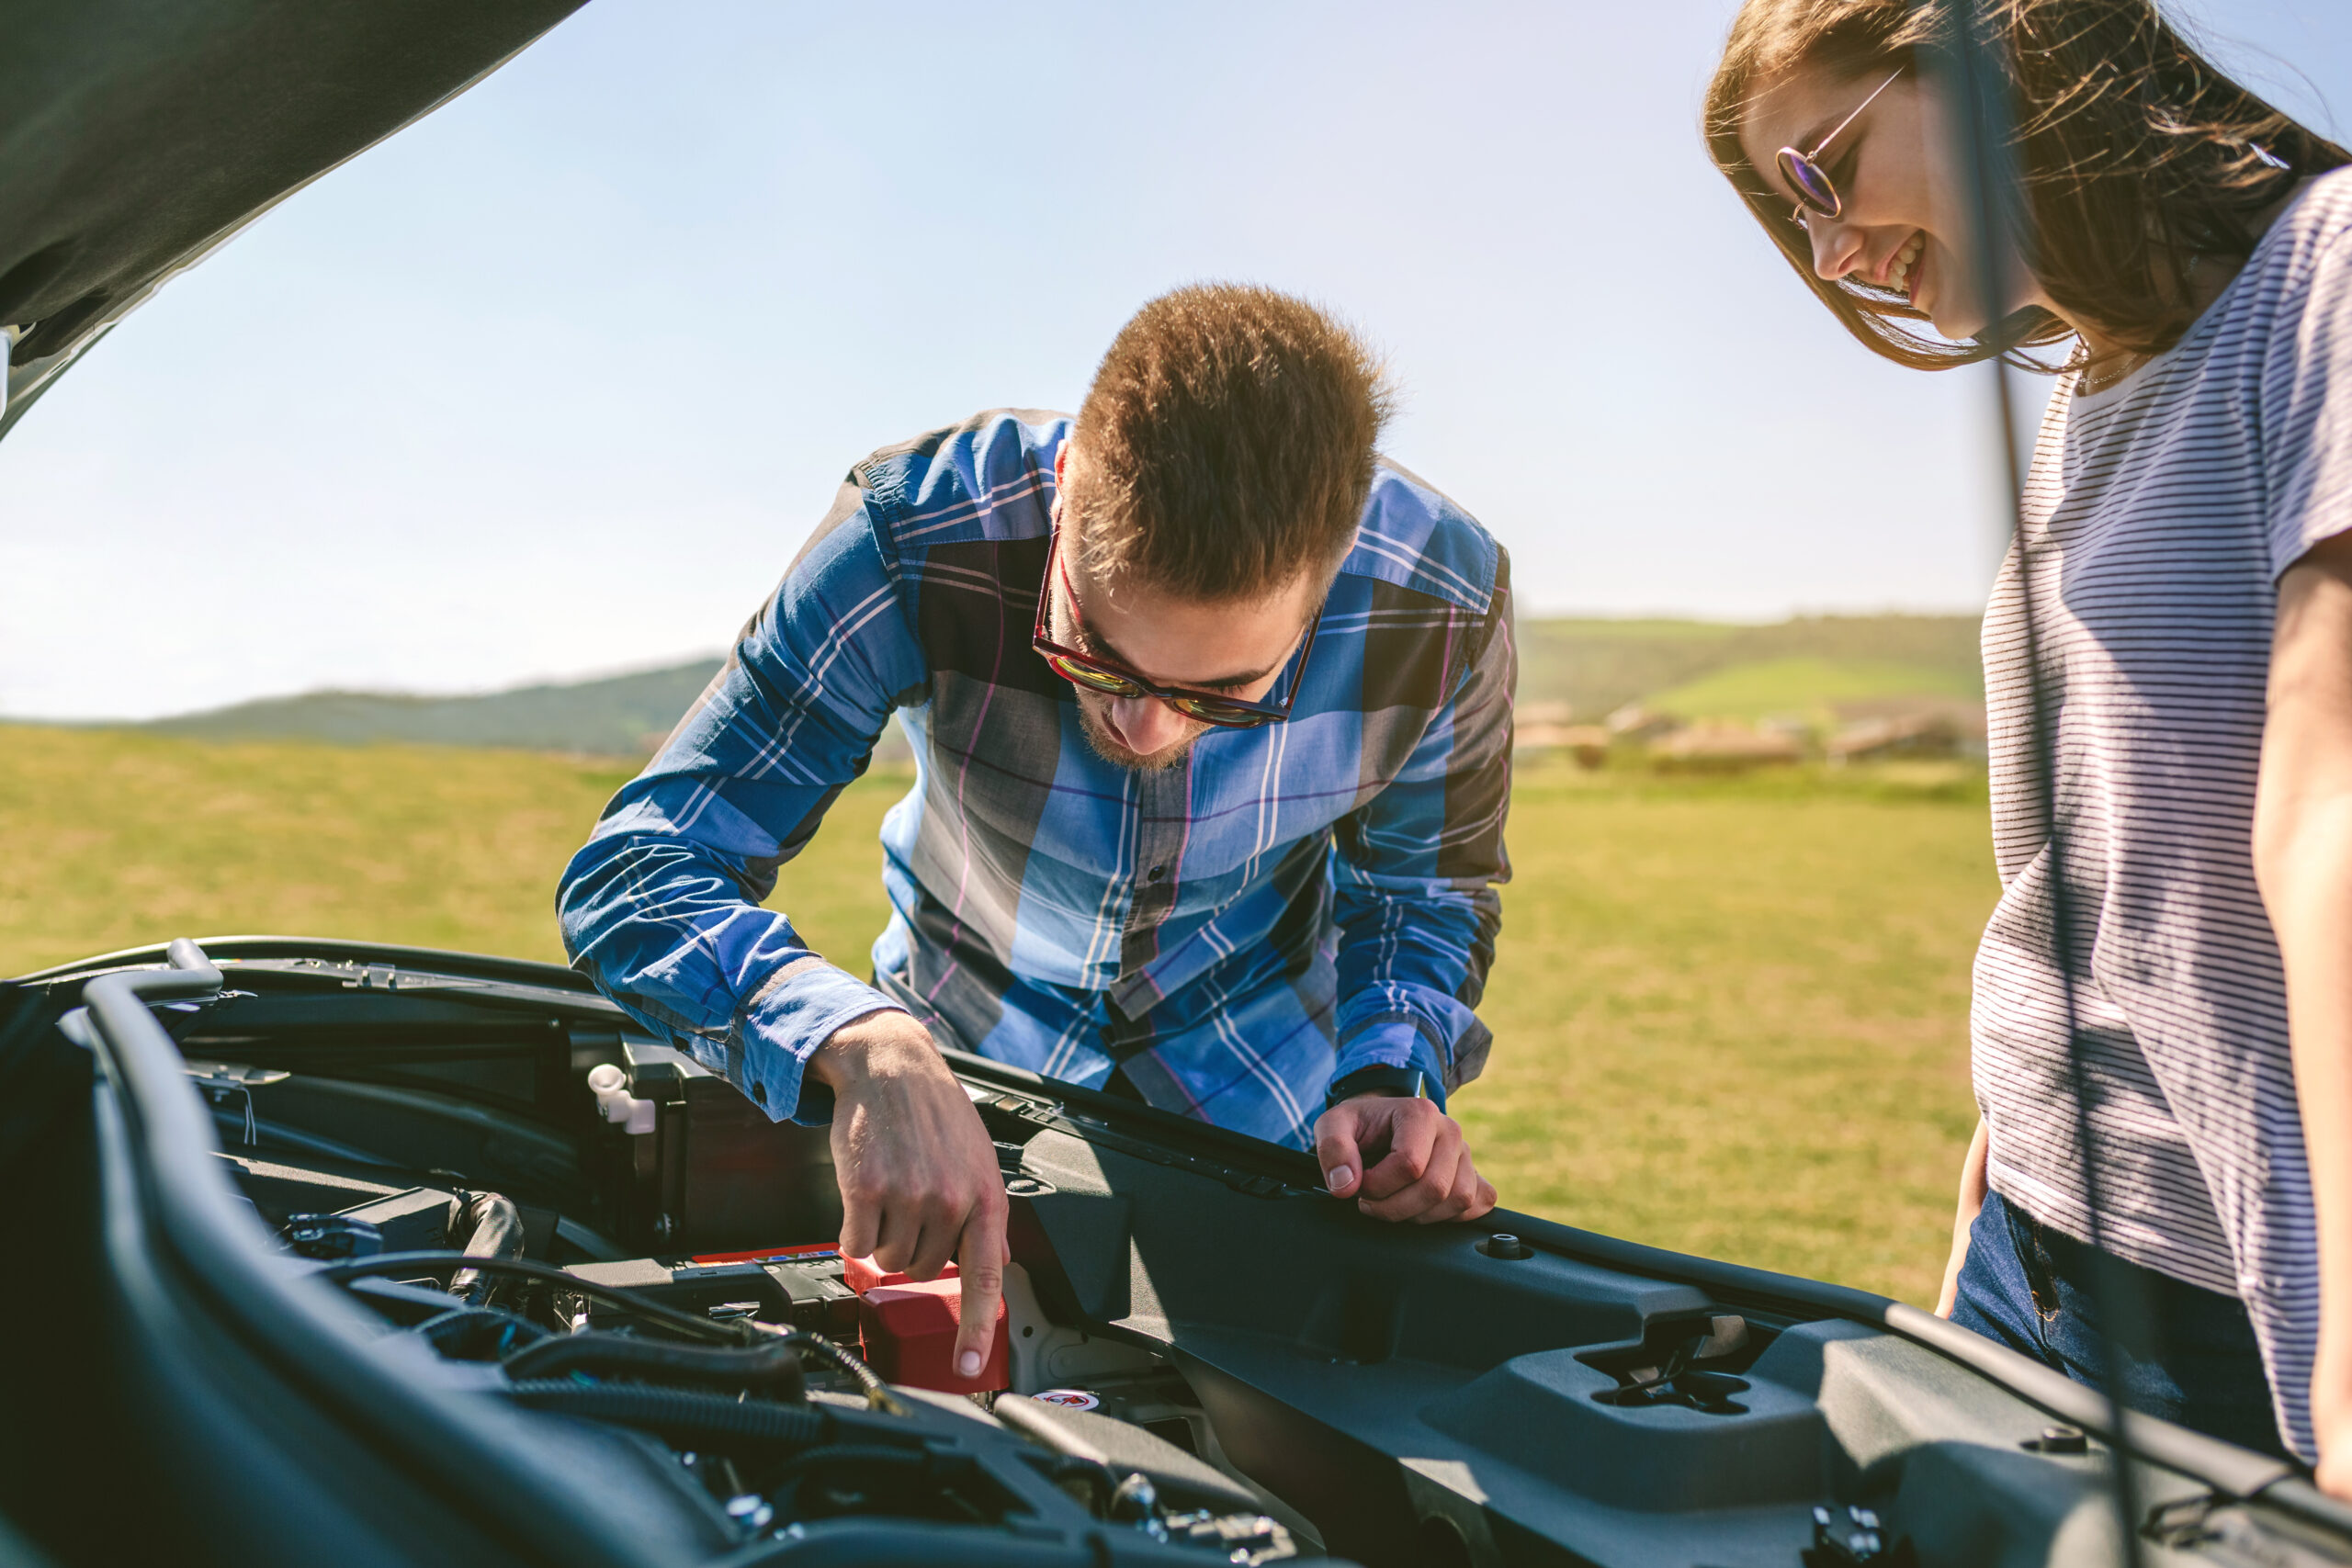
column 1708, row 669
column 620, row 715
column 1806, row 685
column 1696, row 669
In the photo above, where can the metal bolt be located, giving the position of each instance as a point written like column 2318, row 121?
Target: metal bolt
column 751, row 1510
column 2060, row 1440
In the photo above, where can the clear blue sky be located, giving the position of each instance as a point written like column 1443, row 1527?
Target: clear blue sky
column 556, row 382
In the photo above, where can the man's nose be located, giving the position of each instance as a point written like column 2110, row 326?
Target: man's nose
column 1147, row 724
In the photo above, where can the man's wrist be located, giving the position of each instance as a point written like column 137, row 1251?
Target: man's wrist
column 1402, row 1083
column 872, row 1045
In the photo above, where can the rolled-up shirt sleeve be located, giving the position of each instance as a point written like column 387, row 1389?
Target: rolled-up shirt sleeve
column 2305, row 408
column 661, row 907
column 1417, row 869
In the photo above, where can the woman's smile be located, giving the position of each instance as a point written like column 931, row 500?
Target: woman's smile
column 1906, row 257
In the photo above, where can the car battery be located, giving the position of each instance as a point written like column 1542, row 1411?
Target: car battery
column 909, row 1333
column 862, row 1274
column 715, row 1172
column 799, row 1286
column 821, row 1303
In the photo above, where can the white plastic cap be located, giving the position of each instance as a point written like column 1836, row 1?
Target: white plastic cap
column 609, row 1085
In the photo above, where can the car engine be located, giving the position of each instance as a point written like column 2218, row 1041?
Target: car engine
column 782, row 1392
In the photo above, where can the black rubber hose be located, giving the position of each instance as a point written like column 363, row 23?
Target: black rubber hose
column 772, row 1367
column 477, row 1334
column 385, row 1263
column 692, row 1415
column 492, row 1227
column 680, row 1417
column 878, row 1393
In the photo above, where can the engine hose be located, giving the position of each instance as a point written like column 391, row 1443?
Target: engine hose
column 477, row 1334
column 772, row 1366
column 680, row 1417
column 878, row 1393
column 493, row 1226
column 642, row 1306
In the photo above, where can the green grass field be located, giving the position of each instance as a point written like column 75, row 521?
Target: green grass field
column 1730, row 1015
column 1805, row 686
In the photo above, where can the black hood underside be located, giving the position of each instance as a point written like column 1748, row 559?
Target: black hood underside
column 135, row 135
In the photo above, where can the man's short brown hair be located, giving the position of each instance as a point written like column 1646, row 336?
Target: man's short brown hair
column 1226, row 443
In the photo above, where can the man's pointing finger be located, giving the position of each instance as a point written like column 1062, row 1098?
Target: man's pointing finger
column 980, row 1267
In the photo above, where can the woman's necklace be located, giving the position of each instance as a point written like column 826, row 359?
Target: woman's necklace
column 2088, row 379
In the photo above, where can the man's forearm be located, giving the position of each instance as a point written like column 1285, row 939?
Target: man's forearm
column 663, row 927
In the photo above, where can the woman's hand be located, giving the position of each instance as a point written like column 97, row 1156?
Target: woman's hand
column 1971, row 1199
column 2303, row 859
column 2331, row 1424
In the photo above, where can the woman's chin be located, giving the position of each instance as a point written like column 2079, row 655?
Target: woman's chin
column 1961, row 323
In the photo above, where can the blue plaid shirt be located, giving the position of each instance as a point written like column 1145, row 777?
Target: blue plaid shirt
column 1290, row 903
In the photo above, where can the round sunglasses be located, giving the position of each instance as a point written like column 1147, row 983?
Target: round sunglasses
column 1113, row 680
column 1814, row 190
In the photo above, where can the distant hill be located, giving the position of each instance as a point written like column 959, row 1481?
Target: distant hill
column 1697, row 669
column 621, row 716
column 1706, row 669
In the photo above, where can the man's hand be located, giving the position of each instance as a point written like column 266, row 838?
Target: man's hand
column 920, row 1183
column 1420, row 1167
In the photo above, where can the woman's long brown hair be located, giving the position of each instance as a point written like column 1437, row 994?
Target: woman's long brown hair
column 2137, row 158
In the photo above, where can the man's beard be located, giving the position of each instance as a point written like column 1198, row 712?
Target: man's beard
column 1107, row 746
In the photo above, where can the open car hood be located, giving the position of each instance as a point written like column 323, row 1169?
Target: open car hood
column 136, row 137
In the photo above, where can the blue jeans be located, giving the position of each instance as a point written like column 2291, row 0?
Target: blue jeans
column 2193, row 1361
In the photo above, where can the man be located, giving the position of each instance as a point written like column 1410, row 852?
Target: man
column 1212, row 716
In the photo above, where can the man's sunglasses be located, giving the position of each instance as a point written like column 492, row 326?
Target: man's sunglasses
column 1814, row 191
column 1097, row 675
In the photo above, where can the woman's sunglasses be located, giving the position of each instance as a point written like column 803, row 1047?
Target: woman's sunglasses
column 1814, row 191
column 1096, row 674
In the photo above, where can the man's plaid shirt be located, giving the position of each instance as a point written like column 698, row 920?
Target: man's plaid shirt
column 1290, row 903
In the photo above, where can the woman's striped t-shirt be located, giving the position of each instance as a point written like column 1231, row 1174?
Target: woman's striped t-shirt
column 2158, row 517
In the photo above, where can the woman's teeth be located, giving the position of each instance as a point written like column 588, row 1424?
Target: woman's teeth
column 1898, row 272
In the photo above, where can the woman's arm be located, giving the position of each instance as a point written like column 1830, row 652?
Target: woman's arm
column 1971, row 1199
column 2302, row 858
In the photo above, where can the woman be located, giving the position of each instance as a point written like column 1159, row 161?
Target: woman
column 2184, row 559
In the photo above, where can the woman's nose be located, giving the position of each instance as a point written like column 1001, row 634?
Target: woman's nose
column 1837, row 248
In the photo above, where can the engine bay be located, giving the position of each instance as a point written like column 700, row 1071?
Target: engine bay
column 755, row 1380
column 564, row 1294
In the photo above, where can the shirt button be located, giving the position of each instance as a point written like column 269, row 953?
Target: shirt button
column 1156, row 873
column 759, row 1092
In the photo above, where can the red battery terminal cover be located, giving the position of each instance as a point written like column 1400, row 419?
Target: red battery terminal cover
column 908, row 1330
column 862, row 1274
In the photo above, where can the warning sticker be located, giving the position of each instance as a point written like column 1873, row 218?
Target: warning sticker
column 1070, row 1398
